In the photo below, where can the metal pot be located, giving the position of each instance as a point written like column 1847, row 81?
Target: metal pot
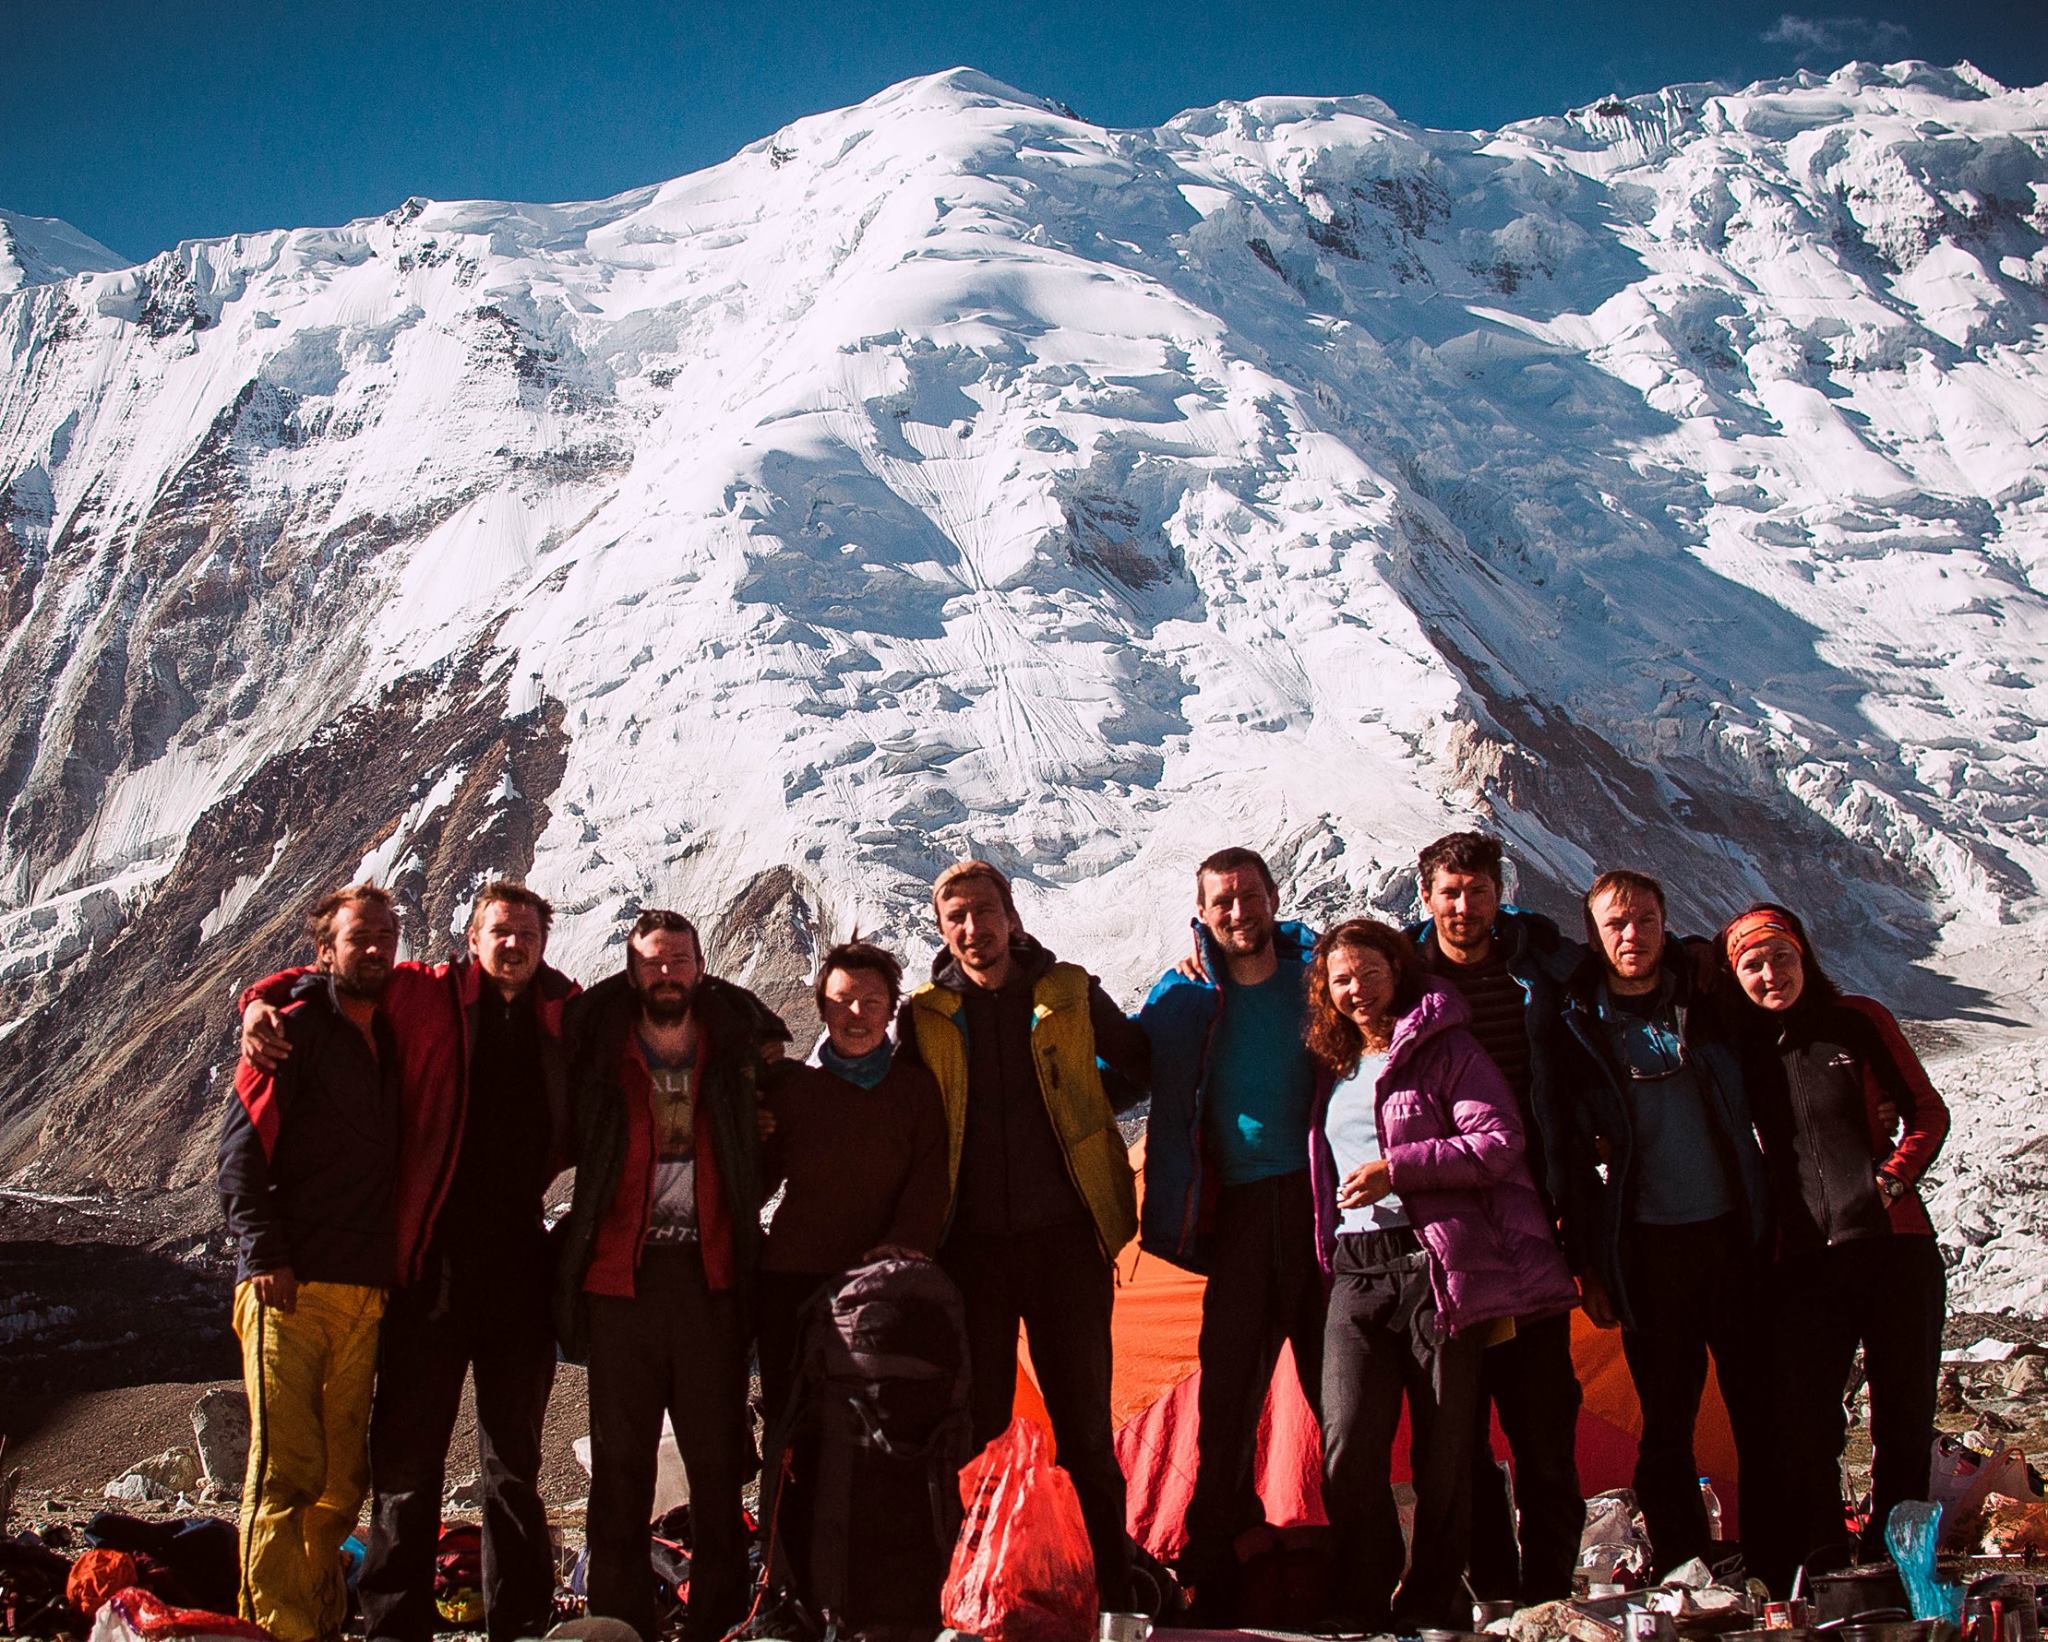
column 1864, row 1589
column 1871, row 1628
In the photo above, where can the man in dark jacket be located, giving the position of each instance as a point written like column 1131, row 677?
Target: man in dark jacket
column 1669, row 1241
column 658, row 1255
column 485, row 1130
column 1510, row 967
column 1042, row 1191
column 308, row 1155
column 1227, row 1173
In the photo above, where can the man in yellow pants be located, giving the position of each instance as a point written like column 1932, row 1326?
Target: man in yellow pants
column 308, row 1166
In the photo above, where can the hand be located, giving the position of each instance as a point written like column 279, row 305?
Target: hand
column 264, row 1045
column 764, row 1120
column 1598, row 1304
column 1888, row 1119
column 278, row 1289
column 1365, row 1185
column 892, row 1251
column 771, row 1050
column 1191, row 968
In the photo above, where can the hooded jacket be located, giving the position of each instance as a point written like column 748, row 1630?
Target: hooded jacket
column 1180, row 1018
column 432, row 1011
column 1540, row 959
column 309, row 1153
column 1451, row 1134
column 1817, row 1076
column 600, row 1240
column 1064, row 1147
column 1598, row 1167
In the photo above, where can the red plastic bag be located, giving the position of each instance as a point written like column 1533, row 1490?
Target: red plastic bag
column 1022, row 1570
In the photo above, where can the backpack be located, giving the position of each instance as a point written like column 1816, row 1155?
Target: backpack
column 878, row 1419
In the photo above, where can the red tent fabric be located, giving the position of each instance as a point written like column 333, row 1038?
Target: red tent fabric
column 1152, row 1404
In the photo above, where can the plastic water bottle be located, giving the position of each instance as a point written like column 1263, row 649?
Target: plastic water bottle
column 1712, row 1501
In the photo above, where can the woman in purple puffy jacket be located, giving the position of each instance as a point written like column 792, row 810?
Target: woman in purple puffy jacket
column 1435, row 1241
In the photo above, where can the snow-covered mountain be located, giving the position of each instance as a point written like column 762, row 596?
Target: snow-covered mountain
column 1663, row 483
column 39, row 250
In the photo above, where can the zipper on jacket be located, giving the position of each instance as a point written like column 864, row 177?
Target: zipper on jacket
column 1802, row 1114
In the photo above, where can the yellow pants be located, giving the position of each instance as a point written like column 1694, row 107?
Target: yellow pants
column 308, row 1376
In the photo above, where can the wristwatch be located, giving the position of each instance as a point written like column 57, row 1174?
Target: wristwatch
column 1890, row 1187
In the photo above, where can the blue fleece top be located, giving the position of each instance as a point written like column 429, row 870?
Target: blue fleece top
column 1680, row 1179
column 1261, row 1082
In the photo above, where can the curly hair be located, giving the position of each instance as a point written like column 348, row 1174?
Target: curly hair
column 1331, row 1036
column 1467, row 852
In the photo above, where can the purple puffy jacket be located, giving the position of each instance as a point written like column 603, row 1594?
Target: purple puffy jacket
column 1452, row 1138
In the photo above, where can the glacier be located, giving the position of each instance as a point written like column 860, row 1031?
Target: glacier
column 1664, row 483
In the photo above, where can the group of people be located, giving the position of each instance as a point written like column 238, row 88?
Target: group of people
column 1409, row 1154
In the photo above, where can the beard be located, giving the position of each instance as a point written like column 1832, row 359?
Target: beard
column 362, row 980
column 666, row 1003
column 1248, row 940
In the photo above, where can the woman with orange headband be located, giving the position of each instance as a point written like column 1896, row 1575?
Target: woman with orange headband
column 1857, row 1260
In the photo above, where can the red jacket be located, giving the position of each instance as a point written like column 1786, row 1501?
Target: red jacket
column 431, row 1009
column 1925, row 1118
column 622, row 1232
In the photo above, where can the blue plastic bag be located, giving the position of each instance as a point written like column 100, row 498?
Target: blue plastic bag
column 1911, row 1534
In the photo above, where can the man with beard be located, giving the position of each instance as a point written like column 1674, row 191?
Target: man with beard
column 308, row 1158
column 1227, row 1187
column 1042, row 1193
column 485, row 1129
column 657, row 1259
column 1510, row 966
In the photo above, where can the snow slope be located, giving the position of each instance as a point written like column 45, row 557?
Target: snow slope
column 1659, row 483
column 39, row 250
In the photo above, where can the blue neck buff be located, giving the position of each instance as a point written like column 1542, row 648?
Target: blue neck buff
column 865, row 1072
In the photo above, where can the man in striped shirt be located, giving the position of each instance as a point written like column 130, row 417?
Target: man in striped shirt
column 1510, row 966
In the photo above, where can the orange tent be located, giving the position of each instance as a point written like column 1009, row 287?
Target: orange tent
column 1152, row 1406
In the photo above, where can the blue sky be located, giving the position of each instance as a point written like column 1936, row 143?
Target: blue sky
column 144, row 122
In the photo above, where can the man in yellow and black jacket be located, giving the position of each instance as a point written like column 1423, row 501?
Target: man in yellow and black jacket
column 1026, row 1051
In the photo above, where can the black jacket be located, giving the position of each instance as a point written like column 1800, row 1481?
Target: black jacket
column 595, row 1033
column 1815, row 1074
column 308, row 1161
column 1594, row 1207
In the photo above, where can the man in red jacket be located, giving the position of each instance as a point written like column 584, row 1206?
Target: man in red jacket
column 485, row 1126
column 658, row 1256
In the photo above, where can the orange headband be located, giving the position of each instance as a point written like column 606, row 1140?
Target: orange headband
column 1754, row 928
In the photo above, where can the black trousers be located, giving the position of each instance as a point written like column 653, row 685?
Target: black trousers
column 1265, row 1286
column 489, row 1318
column 1056, row 1283
column 779, row 1300
column 680, row 1349
column 1381, row 1345
column 1531, row 1381
column 1695, row 1292
column 1889, row 1295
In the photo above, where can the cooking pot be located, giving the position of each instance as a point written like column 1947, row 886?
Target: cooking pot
column 1873, row 1627
column 1862, row 1589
